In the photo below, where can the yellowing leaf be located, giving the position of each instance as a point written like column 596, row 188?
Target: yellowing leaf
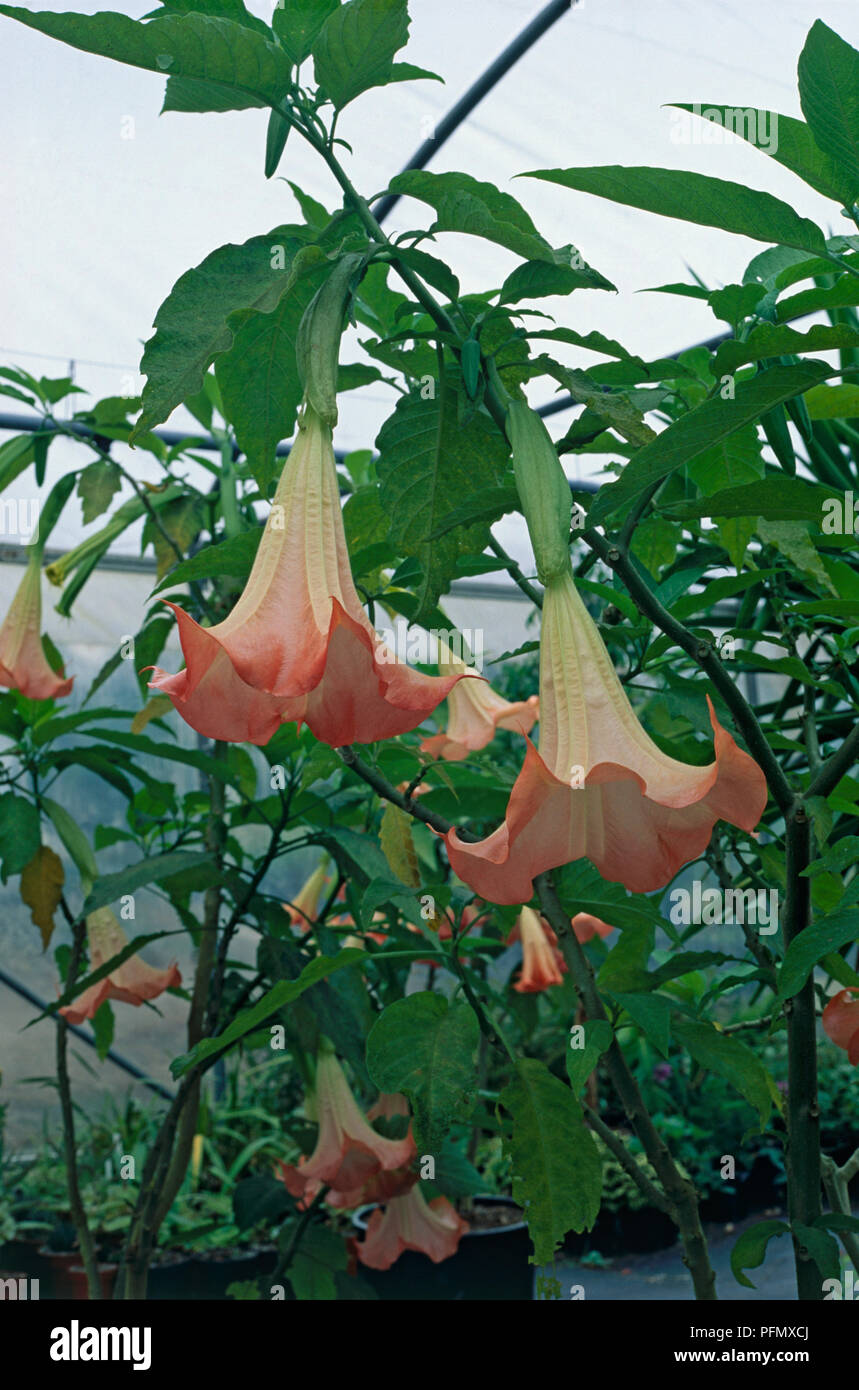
column 398, row 846
column 41, row 886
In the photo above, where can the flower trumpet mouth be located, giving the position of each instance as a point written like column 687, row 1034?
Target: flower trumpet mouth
column 599, row 788
column 298, row 646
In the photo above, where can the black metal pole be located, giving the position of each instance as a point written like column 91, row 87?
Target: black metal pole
column 115, row 1057
column 475, row 94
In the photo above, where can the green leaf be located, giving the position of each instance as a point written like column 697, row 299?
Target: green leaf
column 821, row 1246
column 625, row 967
column 297, row 24
column 750, row 1249
column 828, row 72
column 776, row 498
column 785, row 139
column 694, row 198
column 702, row 429
column 425, row 1049
column 428, row 455
column 319, row 1257
column 833, row 402
column 103, row 1027
column 652, row 1014
column 538, row 279
column 281, row 994
column 152, row 870
column 557, row 1172
column 260, row 1197
column 233, row 557
column 356, row 46
column 582, row 1060
column 837, row 929
column 772, row 340
column 192, row 325
column 20, row 835
column 792, row 540
column 489, row 504
column 732, row 1060
column 75, row 841
column 97, row 485
column 239, row 66
column 464, row 204
column 259, row 377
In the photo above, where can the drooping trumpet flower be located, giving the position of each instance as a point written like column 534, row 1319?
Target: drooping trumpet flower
column 542, row 962
column 132, row 982
column 304, row 907
column 586, row 927
column 298, row 646
column 410, row 1223
column 349, row 1152
column 600, row 788
column 474, row 713
column 841, row 1022
column 23, row 665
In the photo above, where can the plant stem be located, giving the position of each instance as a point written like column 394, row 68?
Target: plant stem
column 803, row 1123
column 76, row 1205
column 679, row 1191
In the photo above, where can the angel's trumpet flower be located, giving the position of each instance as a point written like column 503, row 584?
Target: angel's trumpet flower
column 542, row 962
column 23, row 665
column 600, row 788
column 132, row 982
column 298, row 646
column 474, row 712
column 349, row 1152
column 304, row 907
column 410, row 1223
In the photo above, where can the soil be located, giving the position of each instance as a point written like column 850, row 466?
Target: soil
column 490, row 1216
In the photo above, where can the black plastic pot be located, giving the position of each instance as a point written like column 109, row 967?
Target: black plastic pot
column 212, row 1272
column 171, row 1277
column 489, row 1264
column 624, row 1233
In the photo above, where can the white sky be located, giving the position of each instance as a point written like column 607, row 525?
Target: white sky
column 98, row 227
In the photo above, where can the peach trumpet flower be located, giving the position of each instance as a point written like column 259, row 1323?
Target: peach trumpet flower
column 600, row 788
column 841, row 1022
column 349, row 1152
column 132, row 982
column 474, row 712
column 542, row 962
column 304, row 907
column 23, row 664
column 411, row 1223
column 298, row 646
column 586, row 927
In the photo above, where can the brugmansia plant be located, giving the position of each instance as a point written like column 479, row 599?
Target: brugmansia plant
column 451, row 832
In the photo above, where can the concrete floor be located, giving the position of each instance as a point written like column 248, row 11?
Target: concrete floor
column 662, row 1276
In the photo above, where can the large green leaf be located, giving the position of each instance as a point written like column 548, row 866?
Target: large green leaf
column 784, row 138
column 776, row 498
column 730, row 1059
column 837, row 929
column 773, row 340
column 828, row 72
column 152, row 870
column 429, row 457
column 233, row 557
column 426, row 1049
column 259, row 377
column 249, row 1020
column 694, row 198
column 19, row 833
column 464, row 204
column 356, row 46
column 702, row 429
column 192, row 325
column 238, row 65
column 750, row 1249
column 557, row 1172
column 297, row 24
